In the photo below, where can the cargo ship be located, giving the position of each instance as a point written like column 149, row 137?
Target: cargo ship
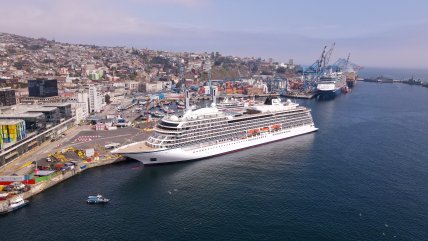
column 351, row 78
column 208, row 132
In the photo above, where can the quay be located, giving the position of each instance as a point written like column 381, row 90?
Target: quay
column 300, row 95
column 220, row 97
column 382, row 80
column 70, row 159
column 59, row 177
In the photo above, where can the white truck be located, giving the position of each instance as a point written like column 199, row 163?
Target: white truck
column 111, row 145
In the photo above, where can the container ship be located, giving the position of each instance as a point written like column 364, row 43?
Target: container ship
column 208, row 132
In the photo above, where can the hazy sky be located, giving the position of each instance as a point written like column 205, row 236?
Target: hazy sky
column 376, row 32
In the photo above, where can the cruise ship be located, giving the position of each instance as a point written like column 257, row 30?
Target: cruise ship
column 331, row 85
column 208, row 132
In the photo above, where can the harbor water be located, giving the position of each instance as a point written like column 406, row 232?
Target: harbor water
column 362, row 176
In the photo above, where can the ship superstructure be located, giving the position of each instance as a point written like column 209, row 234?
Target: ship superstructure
column 331, row 85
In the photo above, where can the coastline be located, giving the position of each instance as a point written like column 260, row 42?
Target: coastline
column 59, row 177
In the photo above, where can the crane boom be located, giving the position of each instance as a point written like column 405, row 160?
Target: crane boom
column 328, row 55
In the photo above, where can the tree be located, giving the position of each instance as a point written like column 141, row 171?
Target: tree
column 107, row 99
column 18, row 65
column 281, row 70
column 36, row 47
column 265, row 72
column 217, row 54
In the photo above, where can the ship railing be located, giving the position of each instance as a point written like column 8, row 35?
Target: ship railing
column 236, row 136
column 242, row 126
column 238, row 129
column 276, row 119
column 167, row 131
column 211, row 143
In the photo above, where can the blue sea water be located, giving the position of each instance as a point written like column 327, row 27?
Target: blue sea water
column 394, row 73
column 362, row 176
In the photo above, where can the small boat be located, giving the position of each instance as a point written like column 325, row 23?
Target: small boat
column 158, row 114
column 276, row 126
column 97, row 199
column 170, row 111
column 265, row 129
column 345, row 89
column 15, row 203
column 165, row 109
column 181, row 106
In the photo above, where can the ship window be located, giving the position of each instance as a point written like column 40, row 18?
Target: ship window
column 168, row 124
column 153, row 159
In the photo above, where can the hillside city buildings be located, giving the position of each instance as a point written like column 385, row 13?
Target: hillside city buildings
column 47, row 86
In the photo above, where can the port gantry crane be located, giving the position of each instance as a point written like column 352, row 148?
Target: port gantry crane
column 327, row 57
column 345, row 65
column 312, row 74
column 321, row 64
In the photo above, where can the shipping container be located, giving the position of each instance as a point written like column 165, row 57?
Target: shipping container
column 30, row 181
column 58, row 166
column 41, row 179
column 12, row 178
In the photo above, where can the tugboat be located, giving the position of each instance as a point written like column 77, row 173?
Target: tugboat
column 345, row 89
column 16, row 203
column 97, row 199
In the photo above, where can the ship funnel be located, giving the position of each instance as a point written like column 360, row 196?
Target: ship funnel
column 187, row 99
column 214, row 95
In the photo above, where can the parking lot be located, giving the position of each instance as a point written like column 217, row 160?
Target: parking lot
column 81, row 138
column 96, row 139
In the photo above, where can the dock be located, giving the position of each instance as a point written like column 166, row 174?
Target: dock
column 81, row 149
column 301, row 95
column 59, row 177
column 382, row 80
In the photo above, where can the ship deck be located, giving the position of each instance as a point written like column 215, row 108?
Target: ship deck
column 134, row 148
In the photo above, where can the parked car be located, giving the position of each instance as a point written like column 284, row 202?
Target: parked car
column 8, row 188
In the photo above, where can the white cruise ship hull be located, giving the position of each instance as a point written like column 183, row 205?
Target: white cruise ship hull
column 196, row 153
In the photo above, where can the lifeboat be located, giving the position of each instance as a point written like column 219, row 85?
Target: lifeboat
column 265, row 129
column 276, row 126
column 250, row 132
